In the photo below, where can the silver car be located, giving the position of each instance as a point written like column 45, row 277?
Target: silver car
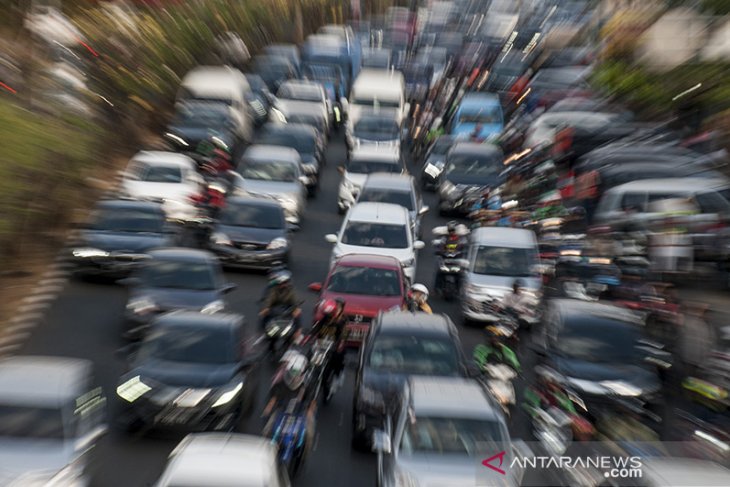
column 50, row 419
column 399, row 189
column 273, row 171
column 445, row 426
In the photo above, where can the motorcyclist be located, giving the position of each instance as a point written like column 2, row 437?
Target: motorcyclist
column 280, row 293
column 332, row 325
column 419, row 299
column 516, row 301
column 451, row 244
column 495, row 351
column 292, row 393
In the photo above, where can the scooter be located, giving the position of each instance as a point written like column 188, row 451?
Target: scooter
column 279, row 330
column 321, row 354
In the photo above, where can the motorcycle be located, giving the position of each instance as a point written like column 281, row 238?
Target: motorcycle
column 321, row 354
column 279, row 330
column 450, row 264
column 499, row 374
column 290, row 436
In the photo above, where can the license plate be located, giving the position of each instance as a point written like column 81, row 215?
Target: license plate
column 356, row 332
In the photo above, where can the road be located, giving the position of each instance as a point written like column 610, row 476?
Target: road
column 86, row 320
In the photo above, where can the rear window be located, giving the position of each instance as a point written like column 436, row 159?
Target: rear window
column 412, row 354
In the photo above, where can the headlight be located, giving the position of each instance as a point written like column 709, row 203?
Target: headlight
column 213, row 307
column 220, row 238
column 228, row 395
column 177, row 139
column 88, row 252
column 277, row 243
column 133, row 389
column 141, row 305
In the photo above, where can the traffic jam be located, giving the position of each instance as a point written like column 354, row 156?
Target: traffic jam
column 418, row 249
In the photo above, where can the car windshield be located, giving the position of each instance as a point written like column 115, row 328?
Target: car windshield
column 133, row 221
column 488, row 115
column 270, row 171
column 364, row 166
column 181, row 274
column 466, row 436
column 285, row 138
column 28, row 422
column 377, row 129
column 375, row 235
column 202, row 115
column 476, row 164
column 414, row 355
column 252, row 216
column 504, row 261
column 300, row 93
column 161, row 174
column 203, row 345
column 364, row 281
column 372, row 102
column 598, row 340
column 376, row 195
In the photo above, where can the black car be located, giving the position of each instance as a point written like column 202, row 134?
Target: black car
column 602, row 353
column 506, row 70
column 433, row 163
column 172, row 279
column 399, row 345
column 251, row 233
column 196, row 121
column 302, row 138
column 259, row 99
column 274, row 70
column 469, row 169
column 118, row 236
column 193, row 371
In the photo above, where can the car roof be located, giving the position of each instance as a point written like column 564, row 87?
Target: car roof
column 216, row 79
column 383, row 180
column 451, row 396
column 369, row 260
column 194, row 319
column 271, row 153
column 204, row 458
column 413, row 322
column 474, row 148
column 386, row 213
column 504, row 236
column 182, row 254
column 376, row 153
column 42, row 380
column 670, row 185
column 577, row 309
column 163, row 158
column 129, row 205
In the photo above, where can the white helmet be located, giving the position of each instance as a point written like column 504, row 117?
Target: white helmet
column 420, row 288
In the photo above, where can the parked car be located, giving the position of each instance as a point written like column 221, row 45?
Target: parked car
column 438, row 436
column 117, row 237
column 166, row 178
column 401, row 344
column 173, row 279
column 470, row 167
column 197, row 121
column 302, row 95
column 305, row 140
column 51, row 416
column 251, row 233
column 399, row 189
column 272, row 171
column 192, row 371
column 217, row 459
column 368, row 284
column 365, row 160
column 381, row 229
column 498, row 256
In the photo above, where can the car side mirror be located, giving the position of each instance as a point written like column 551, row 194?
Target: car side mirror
column 228, row 287
column 381, row 442
column 419, row 244
column 331, row 238
column 423, row 210
column 129, row 281
column 315, row 287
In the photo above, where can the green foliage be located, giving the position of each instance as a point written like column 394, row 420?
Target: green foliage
column 715, row 7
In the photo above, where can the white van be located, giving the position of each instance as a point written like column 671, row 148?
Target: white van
column 222, row 84
column 377, row 90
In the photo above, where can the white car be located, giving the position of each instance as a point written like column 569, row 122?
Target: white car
column 365, row 160
column 295, row 96
column 378, row 229
column 164, row 177
column 222, row 460
column 51, row 416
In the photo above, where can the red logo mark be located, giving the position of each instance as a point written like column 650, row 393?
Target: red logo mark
column 488, row 462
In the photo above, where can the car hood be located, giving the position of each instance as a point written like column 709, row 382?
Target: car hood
column 250, row 234
column 498, row 286
column 172, row 191
column 181, row 374
column 179, row 298
column 123, row 242
column 452, row 470
column 400, row 254
column 22, row 459
column 366, row 305
column 595, row 372
column 273, row 188
column 488, row 129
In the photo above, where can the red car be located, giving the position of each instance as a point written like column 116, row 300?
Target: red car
column 368, row 284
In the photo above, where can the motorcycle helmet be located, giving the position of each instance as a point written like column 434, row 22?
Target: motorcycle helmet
column 295, row 370
column 329, row 307
column 420, row 288
column 280, row 277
